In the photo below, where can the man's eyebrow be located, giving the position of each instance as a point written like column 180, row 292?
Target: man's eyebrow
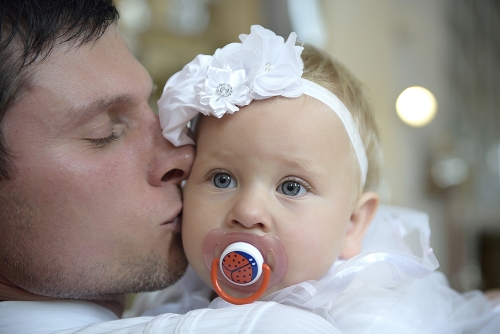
column 91, row 109
column 112, row 100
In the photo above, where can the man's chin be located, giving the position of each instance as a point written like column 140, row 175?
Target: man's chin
column 100, row 277
column 159, row 275
column 146, row 273
column 177, row 260
column 175, row 268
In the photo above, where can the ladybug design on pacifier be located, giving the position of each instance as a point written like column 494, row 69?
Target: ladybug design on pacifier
column 243, row 263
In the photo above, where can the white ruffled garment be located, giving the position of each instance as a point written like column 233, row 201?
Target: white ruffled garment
column 390, row 287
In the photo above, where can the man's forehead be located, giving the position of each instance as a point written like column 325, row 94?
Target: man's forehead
column 80, row 79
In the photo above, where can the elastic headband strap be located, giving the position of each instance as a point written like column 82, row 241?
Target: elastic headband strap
column 331, row 100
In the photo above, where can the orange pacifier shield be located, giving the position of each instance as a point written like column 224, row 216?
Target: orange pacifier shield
column 243, row 263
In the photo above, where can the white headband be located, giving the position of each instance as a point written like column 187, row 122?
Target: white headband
column 262, row 66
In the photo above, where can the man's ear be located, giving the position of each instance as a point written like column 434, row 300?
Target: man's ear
column 361, row 217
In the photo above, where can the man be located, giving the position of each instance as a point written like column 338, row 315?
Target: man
column 90, row 197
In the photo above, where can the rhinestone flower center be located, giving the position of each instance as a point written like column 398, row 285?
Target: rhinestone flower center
column 224, row 90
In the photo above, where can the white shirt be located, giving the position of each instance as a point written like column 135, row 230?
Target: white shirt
column 42, row 317
column 390, row 287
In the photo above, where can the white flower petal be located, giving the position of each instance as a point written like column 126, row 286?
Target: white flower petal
column 237, row 78
column 217, row 103
column 231, row 107
column 241, row 96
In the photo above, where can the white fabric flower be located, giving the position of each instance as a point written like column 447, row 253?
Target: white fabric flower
column 223, row 90
column 262, row 66
column 178, row 104
column 279, row 66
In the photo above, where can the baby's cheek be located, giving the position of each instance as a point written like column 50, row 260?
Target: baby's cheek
column 309, row 262
column 194, row 232
column 190, row 240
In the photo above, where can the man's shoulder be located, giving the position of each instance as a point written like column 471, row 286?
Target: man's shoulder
column 259, row 317
column 50, row 316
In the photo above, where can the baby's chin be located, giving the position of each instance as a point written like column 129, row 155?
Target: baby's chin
column 287, row 281
column 243, row 294
column 234, row 292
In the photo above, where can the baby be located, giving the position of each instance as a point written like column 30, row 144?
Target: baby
column 285, row 166
column 282, row 193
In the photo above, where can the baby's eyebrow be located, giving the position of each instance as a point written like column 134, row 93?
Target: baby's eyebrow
column 303, row 165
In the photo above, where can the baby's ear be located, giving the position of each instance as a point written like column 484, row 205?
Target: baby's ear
column 361, row 217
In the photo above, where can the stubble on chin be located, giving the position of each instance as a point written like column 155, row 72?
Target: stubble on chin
column 157, row 275
column 144, row 274
column 101, row 280
column 104, row 280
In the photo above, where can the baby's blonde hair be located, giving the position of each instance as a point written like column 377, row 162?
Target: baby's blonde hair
column 324, row 70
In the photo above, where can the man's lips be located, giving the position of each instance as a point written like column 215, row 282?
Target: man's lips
column 175, row 223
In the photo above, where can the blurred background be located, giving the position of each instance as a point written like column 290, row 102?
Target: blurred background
column 432, row 71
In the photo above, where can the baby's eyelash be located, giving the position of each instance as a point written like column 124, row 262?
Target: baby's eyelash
column 298, row 180
column 213, row 172
column 101, row 142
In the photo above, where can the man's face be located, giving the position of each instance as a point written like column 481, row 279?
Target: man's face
column 283, row 167
column 92, row 206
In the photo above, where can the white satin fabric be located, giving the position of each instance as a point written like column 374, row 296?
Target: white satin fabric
column 390, row 287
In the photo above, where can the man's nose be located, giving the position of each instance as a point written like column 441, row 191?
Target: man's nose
column 251, row 210
column 171, row 165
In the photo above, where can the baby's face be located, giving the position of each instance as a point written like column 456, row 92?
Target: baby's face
column 279, row 166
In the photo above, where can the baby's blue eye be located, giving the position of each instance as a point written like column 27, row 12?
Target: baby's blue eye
column 223, row 180
column 292, row 188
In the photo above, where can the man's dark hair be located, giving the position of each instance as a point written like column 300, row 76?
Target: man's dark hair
column 29, row 30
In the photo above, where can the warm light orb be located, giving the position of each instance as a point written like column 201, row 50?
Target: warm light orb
column 416, row 106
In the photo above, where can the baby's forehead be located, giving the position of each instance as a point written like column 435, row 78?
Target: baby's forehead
column 296, row 126
column 280, row 114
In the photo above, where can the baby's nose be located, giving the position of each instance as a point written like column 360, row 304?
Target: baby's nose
column 251, row 210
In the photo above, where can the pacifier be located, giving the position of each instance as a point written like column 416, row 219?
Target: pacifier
column 243, row 263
